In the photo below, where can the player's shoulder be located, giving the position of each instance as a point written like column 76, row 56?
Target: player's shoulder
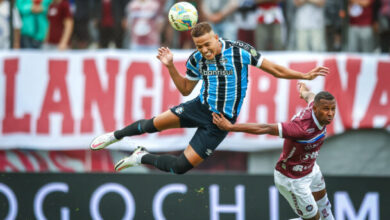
column 305, row 115
column 194, row 57
column 240, row 44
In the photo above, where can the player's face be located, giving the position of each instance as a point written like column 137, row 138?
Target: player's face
column 208, row 45
column 325, row 111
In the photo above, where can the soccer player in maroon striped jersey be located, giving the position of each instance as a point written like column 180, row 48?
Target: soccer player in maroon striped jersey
column 297, row 175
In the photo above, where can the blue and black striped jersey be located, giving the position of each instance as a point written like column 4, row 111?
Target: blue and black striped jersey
column 225, row 78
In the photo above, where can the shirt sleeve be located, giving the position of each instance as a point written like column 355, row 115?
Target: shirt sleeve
column 255, row 57
column 291, row 130
column 67, row 12
column 192, row 70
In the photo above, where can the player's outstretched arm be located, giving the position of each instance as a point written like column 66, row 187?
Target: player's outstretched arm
column 184, row 85
column 252, row 128
column 286, row 73
column 305, row 92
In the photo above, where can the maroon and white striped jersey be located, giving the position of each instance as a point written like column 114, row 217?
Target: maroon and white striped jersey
column 304, row 137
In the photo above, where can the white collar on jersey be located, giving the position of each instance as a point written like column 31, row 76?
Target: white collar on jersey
column 316, row 121
column 222, row 43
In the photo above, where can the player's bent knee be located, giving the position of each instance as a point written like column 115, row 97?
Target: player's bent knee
column 182, row 165
column 148, row 126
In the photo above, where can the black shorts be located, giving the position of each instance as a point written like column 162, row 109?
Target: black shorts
column 194, row 114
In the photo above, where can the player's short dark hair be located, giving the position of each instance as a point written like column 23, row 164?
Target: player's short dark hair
column 323, row 95
column 201, row 29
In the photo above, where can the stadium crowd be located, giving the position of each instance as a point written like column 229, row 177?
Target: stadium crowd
column 301, row 25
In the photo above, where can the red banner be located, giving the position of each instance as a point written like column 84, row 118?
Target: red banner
column 62, row 100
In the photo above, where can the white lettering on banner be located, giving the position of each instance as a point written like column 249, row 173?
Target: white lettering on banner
column 100, row 94
column 162, row 194
column 216, row 208
column 273, row 203
column 344, row 209
column 41, row 195
column 107, row 188
column 12, row 201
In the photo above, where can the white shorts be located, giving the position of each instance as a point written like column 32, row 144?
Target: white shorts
column 298, row 192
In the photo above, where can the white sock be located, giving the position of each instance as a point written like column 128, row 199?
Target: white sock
column 324, row 208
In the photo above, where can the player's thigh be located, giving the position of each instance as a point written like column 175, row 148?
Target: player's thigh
column 206, row 139
column 317, row 185
column 192, row 156
column 166, row 120
column 298, row 194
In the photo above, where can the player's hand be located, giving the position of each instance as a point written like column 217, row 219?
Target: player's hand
column 318, row 71
column 302, row 88
column 221, row 122
column 165, row 56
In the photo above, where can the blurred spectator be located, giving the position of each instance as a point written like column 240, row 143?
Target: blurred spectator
column 289, row 14
column 178, row 39
column 245, row 18
column 109, row 18
column 83, row 11
column 269, row 27
column 384, row 26
column 334, row 14
column 310, row 25
column 34, row 22
column 145, row 22
column 61, row 25
column 169, row 37
column 220, row 15
column 185, row 38
column 360, row 31
column 5, row 41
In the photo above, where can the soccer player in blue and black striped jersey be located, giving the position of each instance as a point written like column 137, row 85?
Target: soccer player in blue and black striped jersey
column 222, row 66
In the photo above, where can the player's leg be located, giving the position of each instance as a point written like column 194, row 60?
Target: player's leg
column 202, row 145
column 168, row 163
column 320, row 195
column 298, row 194
column 163, row 121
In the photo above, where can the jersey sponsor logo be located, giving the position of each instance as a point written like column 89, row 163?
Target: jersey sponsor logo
column 216, row 72
column 312, row 155
column 242, row 45
column 300, row 168
column 208, row 62
column 312, row 146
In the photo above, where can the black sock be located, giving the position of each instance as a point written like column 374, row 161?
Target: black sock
column 139, row 127
column 168, row 163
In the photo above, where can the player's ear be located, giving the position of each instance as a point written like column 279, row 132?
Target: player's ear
column 315, row 107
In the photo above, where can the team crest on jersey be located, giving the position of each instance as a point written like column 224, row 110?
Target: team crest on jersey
column 179, row 110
